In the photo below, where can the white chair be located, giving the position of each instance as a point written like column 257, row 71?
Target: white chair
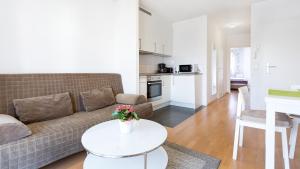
column 257, row 119
column 294, row 131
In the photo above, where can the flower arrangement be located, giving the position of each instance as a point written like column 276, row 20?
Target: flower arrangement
column 125, row 113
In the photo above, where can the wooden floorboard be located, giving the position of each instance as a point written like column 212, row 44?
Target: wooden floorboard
column 210, row 131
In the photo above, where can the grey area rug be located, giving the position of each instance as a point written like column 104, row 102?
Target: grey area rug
column 171, row 116
column 183, row 158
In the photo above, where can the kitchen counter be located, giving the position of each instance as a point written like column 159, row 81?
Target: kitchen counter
column 174, row 74
column 182, row 89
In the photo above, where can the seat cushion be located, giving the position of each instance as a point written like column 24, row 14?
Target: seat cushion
column 259, row 116
column 77, row 120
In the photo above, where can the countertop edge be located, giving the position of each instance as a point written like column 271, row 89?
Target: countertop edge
column 174, row 74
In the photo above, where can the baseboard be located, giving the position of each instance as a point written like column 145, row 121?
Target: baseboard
column 181, row 104
column 162, row 105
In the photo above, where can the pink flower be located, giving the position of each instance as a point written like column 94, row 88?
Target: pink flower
column 125, row 107
column 131, row 109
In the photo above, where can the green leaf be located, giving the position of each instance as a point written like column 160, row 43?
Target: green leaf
column 135, row 116
column 115, row 113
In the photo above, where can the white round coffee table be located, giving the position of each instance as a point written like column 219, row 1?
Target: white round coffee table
column 108, row 148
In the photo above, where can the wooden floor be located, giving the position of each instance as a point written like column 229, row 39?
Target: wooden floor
column 211, row 131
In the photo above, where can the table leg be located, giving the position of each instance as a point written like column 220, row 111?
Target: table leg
column 270, row 138
column 145, row 161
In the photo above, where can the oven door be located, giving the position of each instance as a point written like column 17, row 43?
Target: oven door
column 154, row 90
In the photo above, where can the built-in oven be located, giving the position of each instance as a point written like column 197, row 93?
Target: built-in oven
column 154, row 88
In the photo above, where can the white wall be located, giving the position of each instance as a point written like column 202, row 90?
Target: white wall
column 190, row 46
column 60, row 36
column 193, row 43
column 275, row 40
column 189, row 41
column 237, row 40
column 56, row 36
column 126, row 44
column 215, row 41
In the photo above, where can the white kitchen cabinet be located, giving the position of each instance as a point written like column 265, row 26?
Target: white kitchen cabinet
column 143, row 86
column 155, row 34
column 146, row 33
column 165, row 40
column 166, row 88
column 186, row 91
column 168, row 50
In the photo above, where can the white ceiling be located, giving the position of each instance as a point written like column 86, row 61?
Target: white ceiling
column 229, row 13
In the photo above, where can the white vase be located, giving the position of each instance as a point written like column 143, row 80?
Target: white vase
column 126, row 126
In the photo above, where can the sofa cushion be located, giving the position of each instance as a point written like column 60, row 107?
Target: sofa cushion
column 74, row 121
column 43, row 108
column 12, row 129
column 131, row 99
column 97, row 98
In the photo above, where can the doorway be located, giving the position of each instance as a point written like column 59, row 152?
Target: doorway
column 240, row 61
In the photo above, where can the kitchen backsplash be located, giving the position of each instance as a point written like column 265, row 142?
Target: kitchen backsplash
column 149, row 63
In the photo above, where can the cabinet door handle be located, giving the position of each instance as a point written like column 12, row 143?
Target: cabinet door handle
column 140, row 43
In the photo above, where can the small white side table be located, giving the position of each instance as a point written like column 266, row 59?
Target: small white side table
column 108, row 148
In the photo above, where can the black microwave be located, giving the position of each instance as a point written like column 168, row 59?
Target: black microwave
column 185, row 68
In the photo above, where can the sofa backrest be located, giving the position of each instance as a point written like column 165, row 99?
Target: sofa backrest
column 18, row 86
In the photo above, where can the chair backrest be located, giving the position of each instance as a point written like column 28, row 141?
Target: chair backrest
column 243, row 100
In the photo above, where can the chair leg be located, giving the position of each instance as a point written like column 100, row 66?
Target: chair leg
column 291, row 135
column 293, row 139
column 241, row 136
column 285, row 151
column 236, row 140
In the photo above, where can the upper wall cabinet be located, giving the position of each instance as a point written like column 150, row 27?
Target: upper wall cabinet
column 155, row 34
column 146, row 33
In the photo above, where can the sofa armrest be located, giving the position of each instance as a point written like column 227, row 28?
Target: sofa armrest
column 131, row 99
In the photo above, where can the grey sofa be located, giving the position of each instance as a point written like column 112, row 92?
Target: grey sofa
column 54, row 139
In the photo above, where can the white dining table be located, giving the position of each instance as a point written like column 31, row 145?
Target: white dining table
column 274, row 104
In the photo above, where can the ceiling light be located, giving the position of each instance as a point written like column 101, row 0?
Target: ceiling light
column 232, row 25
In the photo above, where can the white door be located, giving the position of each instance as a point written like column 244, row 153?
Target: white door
column 275, row 46
column 214, row 72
